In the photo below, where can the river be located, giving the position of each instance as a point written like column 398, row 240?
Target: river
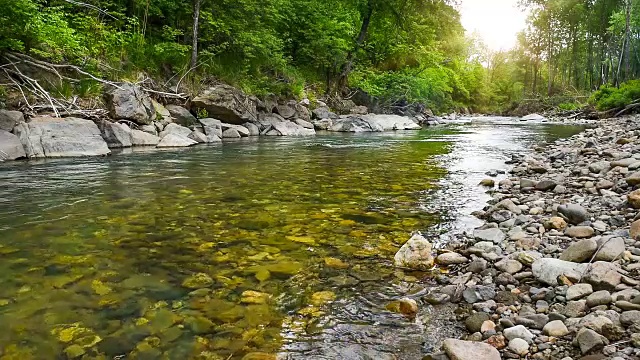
column 95, row 252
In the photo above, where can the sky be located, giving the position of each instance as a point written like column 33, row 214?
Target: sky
column 496, row 21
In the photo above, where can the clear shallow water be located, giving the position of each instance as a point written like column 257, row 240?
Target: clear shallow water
column 95, row 252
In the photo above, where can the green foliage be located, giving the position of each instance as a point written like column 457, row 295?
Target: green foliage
column 609, row 97
column 569, row 106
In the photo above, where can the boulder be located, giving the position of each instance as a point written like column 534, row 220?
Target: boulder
column 547, row 270
column 519, row 347
column 580, row 232
column 288, row 128
column 634, row 199
column 352, row 124
column 243, row 131
column 575, row 214
column 162, row 114
column 10, row 146
column 231, row 133
column 451, row 258
column 212, row 128
column 589, row 340
column 141, row 138
column 9, row 119
column 494, row 235
column 633, row 179
column 611, row 248
column 415, row 254
column 579, row 291
column 304, row 123
column 175, row 140
column 323, row 112
column 391, row 122
column 175, row 129
column 228, row 104
column 634, row 231
column 555, row 328
column 518, row 332
column 359, row 110
column 181, row 116
column 129, row 102
column 603, row 275
column 254, row 130
column 115, row 134
column 286, row 110
column 198, row 137
column 55, row 137
column 324, row 124
column 468, row 350
column 533, row 117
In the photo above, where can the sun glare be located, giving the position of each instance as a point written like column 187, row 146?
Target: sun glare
column 496, row 21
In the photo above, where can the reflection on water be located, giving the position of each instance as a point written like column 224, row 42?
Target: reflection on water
column 271, row 246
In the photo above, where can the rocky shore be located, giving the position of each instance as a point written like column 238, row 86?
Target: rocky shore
column 553, row 273
column 220, row 113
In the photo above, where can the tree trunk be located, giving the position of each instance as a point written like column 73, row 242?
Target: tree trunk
column 627, row 37
column 196, row 20
column 549, row 58
column 346, row 69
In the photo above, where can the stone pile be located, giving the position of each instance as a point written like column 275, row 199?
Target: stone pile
column 553, row 273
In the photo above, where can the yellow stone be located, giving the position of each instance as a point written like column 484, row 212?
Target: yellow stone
column 100, row 288
column 142, row 321
column 206, row 246
column 347, row 223
column 302, row 239
column 254, row 297
column 4, row 302
column 335, row 263
column 322, row 297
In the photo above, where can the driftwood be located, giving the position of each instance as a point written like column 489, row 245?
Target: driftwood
column 634, row 105
column 16, row 66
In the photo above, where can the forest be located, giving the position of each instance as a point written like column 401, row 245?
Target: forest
column 397, row 51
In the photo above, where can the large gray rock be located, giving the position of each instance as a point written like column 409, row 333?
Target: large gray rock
column 575, row 214
column 181, row 115
column 10, row 146
column 547, row 270
column 141, row 138
column 243, row 131
column 580, row 251
column 391, row 122
column 198, row 137
column 254, row 130
column 227, row 104
column 286, row 110
column 231, row 133
column 212, row 128
column 54, row 137
column 603, row 275
column 115, row 134
column 354, row 124
column 175, row 140
column 323, row 112
column 468, row 350
column 589, row 340
column 9, row 119
column 415, row 254
column 610, row 248
column 288, row 128
column 518, row 332
column 175, row 129
column 494, row 235
column 129, row 102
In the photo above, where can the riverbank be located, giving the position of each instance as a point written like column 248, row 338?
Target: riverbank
column 552, row 273
column 131, row 118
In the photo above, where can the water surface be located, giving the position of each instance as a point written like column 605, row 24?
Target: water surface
column 297, row 236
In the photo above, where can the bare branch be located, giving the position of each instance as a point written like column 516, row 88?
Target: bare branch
column 101, row 11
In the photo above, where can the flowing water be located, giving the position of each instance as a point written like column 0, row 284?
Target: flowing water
column 252, row 249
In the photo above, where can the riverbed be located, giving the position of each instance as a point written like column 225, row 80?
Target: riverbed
column 296, row 234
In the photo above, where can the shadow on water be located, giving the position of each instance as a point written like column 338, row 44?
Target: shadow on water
column 296, row 235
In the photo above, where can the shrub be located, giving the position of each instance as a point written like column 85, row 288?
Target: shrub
column 609, row 97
